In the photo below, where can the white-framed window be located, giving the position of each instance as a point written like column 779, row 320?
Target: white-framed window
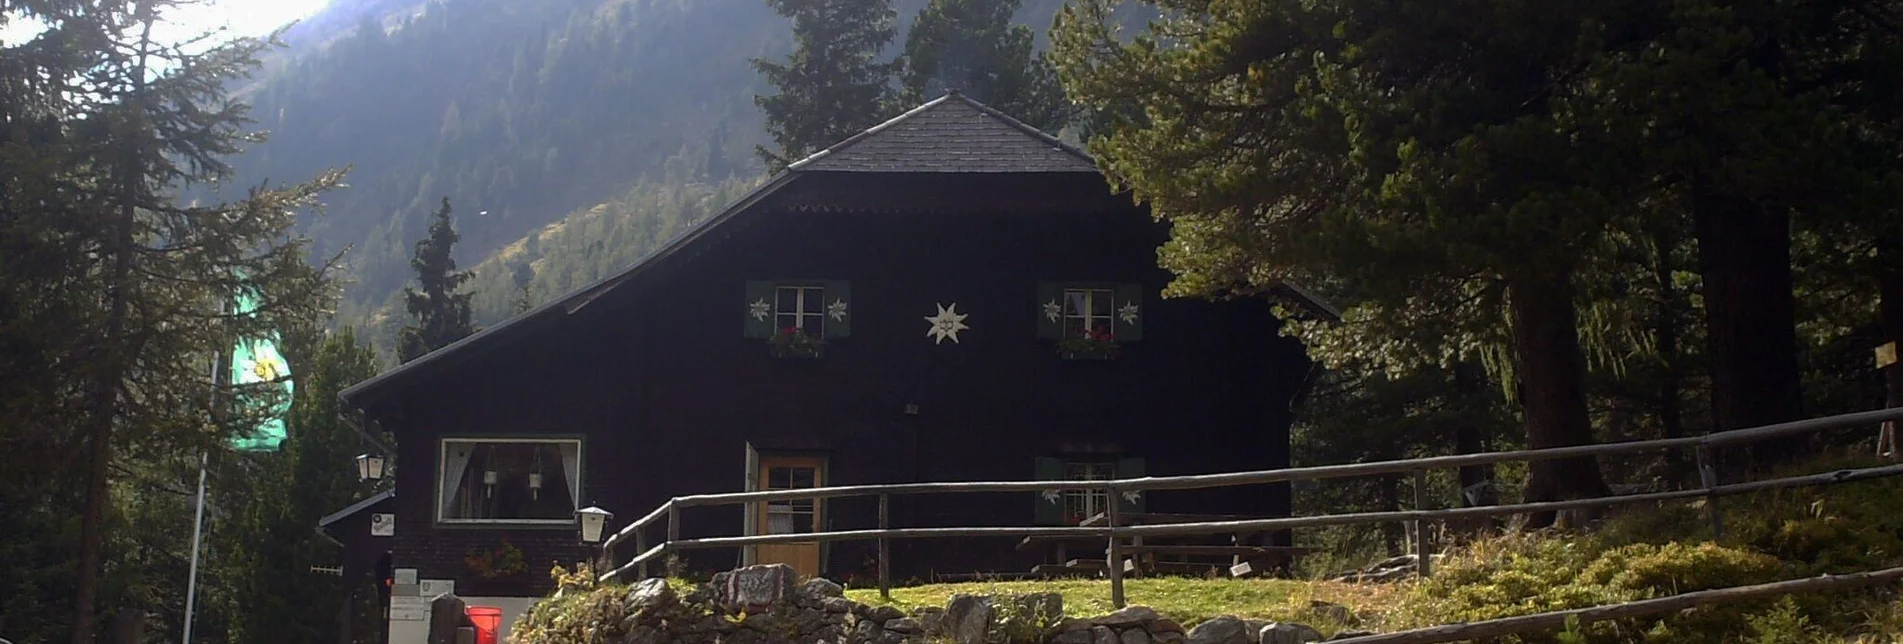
column 508, row 480
column 800, row 307
column 1089, row 312
column 1083, row 504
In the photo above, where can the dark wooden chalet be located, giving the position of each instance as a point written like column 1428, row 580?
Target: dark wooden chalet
column 933, row 299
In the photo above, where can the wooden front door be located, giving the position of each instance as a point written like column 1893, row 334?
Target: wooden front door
column 790, row 517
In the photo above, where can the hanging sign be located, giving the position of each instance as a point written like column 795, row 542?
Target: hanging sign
column 1886, row 355
column 382, row 525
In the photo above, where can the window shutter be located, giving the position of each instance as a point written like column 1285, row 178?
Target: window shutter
column 1049, row 326
column 838, row 322
column 758, row 308
column 1130, row 468
column 1050, row 510
column 1129, row 312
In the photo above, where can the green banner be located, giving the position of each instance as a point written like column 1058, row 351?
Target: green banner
column 256, row 365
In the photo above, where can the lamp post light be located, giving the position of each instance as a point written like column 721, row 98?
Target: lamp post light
column 593, row 519
column 369, row 467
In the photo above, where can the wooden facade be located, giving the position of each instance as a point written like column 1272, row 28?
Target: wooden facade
column 662, row 377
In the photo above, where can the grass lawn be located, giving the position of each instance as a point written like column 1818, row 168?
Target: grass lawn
column 1186, row 600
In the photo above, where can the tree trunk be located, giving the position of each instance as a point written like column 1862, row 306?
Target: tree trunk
column 1392, row 533
column 1744, row 254
column 104, row 394
column 1553, row 398
column 1665, row 335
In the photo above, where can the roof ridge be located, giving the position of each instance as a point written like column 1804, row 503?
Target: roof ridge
column 983, row 110
column 862, row 134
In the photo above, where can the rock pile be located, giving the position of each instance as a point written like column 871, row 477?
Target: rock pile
column 763, row 605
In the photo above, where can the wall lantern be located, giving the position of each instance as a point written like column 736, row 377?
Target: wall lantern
column 369, row 467
column 592, row 521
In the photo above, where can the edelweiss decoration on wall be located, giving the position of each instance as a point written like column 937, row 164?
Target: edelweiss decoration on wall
column 946, row 324
column 759, row 309
column 1053, row 310
column 1128, row 312
column 836, row 310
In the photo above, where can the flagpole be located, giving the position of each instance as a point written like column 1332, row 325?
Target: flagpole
column 198, row 516
column 198, row 526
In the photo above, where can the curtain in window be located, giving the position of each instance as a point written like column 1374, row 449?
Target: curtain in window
column 455, row 461
column 571, row 470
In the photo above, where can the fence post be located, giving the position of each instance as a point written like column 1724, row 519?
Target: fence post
column 1113, row 556
column 1708, row 477
column 885, row 552
column 640, row 548
column 1423, row 555
column 673, row 528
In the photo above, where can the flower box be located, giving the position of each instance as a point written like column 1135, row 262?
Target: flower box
column 1100, row 344
column 796, row 344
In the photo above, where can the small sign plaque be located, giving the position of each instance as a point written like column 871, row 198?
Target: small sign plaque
column 433, row 588
column 382, row 525
column 1886, row 355
column 1241, row 570
column 406, row 576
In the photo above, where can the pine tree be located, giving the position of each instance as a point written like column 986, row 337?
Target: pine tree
column 970, row 46
column 1298, row 141
column 441, row 311
column 832, row 86
column 143, row 278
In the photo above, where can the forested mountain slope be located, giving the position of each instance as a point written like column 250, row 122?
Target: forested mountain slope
column 521, row 112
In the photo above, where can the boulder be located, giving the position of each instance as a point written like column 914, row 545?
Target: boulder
column 755, row 588
column 905, row 625
column 1165, row 625
column 1347, row 634
column 1074, row 637
column 837, row 605
column 1220, row 630
column 1289, row 633
column 821, row 588
column 1134, row 636
column 967, row 619
column 866, row 631
column 1103, row 635
column 1128, row 616
column 884, row 613
column 1071, row 624
column 1254, row 629
column 1169, row 637
column 649, row 598
column 929, row 619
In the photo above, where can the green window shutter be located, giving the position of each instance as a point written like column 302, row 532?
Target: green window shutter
column 1050, row 316
column 1130, row 468
column 1129, row 312
column 1050, row 509
column 758, row 308
column 838, row 309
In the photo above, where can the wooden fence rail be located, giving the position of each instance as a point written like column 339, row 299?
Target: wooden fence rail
column 1114, row 532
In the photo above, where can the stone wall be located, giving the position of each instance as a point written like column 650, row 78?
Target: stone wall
column 764, row 605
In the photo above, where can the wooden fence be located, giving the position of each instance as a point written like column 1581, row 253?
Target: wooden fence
column 1113, row 533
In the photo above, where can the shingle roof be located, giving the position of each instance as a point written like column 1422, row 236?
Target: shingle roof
column 952, row 134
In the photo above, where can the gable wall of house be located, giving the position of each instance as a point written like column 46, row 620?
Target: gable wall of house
column 669, row 394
